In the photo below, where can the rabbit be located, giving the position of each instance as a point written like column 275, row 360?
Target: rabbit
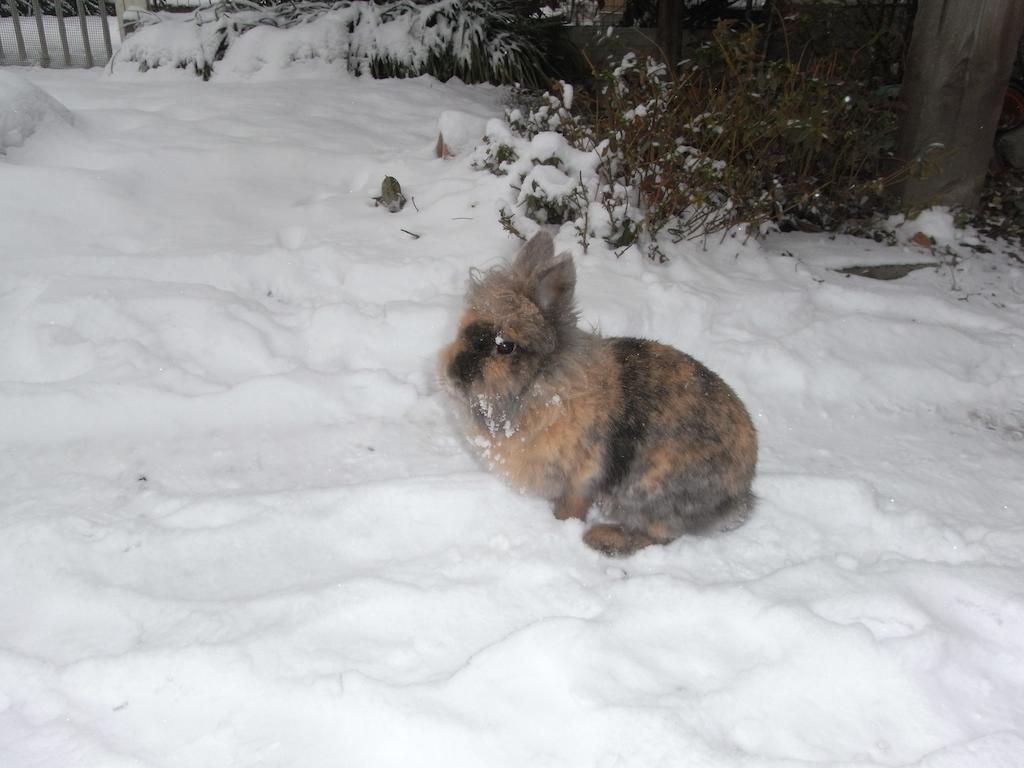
column 657, row 442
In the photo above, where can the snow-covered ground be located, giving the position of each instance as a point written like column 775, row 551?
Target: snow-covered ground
column 238, row 529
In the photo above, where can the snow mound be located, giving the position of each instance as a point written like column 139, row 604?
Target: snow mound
column 934, row 227
column 23, row 108
column 460, row 131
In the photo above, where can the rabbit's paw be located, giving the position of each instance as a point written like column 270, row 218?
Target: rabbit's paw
column 571, row 507
column 615, row 541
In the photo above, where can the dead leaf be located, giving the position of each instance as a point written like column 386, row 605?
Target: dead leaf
column 925, row 241
column 442, row 150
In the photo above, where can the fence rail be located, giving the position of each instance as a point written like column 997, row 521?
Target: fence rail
column 57, row 33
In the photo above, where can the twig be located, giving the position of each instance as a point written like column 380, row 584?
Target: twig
column 413, row 235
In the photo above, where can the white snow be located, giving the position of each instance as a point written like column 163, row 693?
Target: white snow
column 23, row 107
column 461, row 132
column 239, row 529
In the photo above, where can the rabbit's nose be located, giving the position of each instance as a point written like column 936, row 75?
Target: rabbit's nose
column 466, row 367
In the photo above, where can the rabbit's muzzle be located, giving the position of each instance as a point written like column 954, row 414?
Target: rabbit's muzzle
column 466, row 367
column 477, row 342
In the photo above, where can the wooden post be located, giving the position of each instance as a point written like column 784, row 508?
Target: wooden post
column 62, row 32
column 18, row 37
column 105, row 29
column 958, row 67
column 44, row 49
column 120, row 6
column 83, row 25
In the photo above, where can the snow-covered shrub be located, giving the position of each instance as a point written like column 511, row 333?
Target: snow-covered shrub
column 475, row 40
column 803, row 143
column 549, row 192
column 497, row 153
column 733, row 141
column 551, row 181
column 166, row 40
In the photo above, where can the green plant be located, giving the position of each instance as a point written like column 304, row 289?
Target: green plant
column 870, row 36
column 496, row 157
column 734, row 140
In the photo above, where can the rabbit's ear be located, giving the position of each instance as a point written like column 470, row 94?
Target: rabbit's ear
column 553, row 289
column 537, row 254
column 548, row 280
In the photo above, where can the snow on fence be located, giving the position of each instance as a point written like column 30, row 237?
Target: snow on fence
column 57, row 33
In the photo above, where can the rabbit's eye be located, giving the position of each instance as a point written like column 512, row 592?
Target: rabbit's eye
column 504, row 347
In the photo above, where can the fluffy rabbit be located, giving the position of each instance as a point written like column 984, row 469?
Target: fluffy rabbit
column 659, row 443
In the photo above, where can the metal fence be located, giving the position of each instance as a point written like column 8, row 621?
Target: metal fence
column 57, row 33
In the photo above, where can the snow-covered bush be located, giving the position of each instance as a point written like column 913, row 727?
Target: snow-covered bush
column 733, row 141
column 475, row 40
column 551, row 181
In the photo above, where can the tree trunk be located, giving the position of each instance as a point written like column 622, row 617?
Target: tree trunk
column 958, row 67
column 670, row 31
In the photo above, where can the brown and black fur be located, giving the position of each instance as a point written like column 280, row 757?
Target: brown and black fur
column 659, row 443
